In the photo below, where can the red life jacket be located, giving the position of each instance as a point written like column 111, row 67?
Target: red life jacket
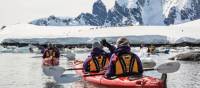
column 50, row 53
column 50, row 58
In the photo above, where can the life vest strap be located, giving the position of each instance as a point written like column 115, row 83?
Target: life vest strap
column 97, row 63
column 128, row 63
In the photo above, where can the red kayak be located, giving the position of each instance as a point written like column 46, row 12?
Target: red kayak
column 122, row 82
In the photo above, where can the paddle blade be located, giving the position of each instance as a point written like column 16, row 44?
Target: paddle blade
column 168, row 67
column 53, row 70
column 148, row 62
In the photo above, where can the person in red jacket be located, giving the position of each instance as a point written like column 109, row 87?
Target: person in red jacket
column 51, row 56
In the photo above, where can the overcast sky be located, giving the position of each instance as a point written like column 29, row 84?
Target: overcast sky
column 22, row 11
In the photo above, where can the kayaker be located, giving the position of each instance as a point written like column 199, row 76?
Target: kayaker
column 57, row 51
column 51, row 56
column 151, row 49
column 97, row 60
column 142, row 51
column 30, row 49
column 43, row 48
column 123, row 62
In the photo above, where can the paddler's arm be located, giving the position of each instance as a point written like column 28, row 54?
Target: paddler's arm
column 110, row 72
column 44, row 53
column 109, row 46
column 58, row 53
column 85, row 64
column 140, row 67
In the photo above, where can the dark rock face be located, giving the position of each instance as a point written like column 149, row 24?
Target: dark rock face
column 141, row 2
column 52, row 21
column 196, row 8
column 191, row 56
column 122, row 10
column 191, row 13
column 3, row 27
column 171, row 17
column 40, row 22
column 100, row 12
column 187, row 14
column 121, row 15
column 117, row 16
column 97, row 18
column 114, row 18
column 67, row 21
column 87, row 19
column 136, row 12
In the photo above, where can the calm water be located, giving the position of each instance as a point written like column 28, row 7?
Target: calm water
column 23, row 70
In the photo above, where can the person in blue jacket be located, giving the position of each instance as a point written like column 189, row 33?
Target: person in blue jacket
column 123, row 62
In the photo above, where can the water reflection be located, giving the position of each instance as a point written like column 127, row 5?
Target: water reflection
column 51, row 84
column 188, row 76
column 67, row 78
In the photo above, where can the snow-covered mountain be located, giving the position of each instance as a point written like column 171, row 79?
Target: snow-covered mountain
column 117, row 16
column 131, row 12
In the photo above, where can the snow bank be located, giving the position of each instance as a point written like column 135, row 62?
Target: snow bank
column 27, row 33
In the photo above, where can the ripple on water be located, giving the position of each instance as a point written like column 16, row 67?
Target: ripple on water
column 22, row 71
column 187, row 76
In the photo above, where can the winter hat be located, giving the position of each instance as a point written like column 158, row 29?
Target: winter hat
column 50, row 46
column 122, row 41
column 97, row 45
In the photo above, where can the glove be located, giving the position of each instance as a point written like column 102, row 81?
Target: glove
column 104, row 42
column 109, row 46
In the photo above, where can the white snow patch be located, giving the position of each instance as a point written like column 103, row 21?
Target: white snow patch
column 87, row 34
column 122, row 3
column 132, row 4
column 179, row 4
column 152, row 12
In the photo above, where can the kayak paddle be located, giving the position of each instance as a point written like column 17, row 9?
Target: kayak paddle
column 73, row 69
column 168, row 67
column 147, row 62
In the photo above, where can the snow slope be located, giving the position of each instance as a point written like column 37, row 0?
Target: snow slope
column 27, row 33
column 152, row 12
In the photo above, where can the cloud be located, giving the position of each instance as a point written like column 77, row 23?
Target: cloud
column 14, row 11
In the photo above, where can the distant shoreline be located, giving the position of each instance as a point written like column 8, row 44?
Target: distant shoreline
column 90, row 45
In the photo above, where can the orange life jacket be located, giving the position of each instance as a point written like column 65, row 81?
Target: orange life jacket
column 50, row 58
column 97, row 63
column 50, row 53
column 126, row 64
